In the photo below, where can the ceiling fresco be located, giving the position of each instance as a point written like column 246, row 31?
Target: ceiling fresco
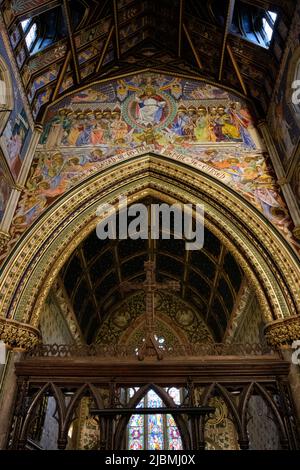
column 78, row 41
column 193, row 122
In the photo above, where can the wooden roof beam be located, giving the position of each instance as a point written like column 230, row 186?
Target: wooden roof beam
column 61, row 75
column 192, row 46
column 72, row 41
column 180, row 27
column 227, row 25
column 214, row 289
column 236, row 68
column 88, row 279
column 102, row 56
column 116, row 23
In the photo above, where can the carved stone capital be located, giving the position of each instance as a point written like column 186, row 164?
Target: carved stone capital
column 4, row 239
column 283, row 332
column 18, row 336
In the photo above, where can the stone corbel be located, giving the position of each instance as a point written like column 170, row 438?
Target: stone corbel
column 18, row 336
column 282, row 333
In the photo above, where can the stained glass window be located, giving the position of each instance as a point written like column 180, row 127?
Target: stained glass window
column 136, row 436
column 31, row 33
column 157, row 431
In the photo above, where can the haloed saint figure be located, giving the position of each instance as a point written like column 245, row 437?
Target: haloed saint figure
column 149, row 107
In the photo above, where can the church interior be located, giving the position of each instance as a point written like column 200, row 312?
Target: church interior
column 138, row 342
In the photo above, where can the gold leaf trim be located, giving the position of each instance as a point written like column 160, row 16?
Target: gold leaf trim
column 283, row 332
column 18, row 336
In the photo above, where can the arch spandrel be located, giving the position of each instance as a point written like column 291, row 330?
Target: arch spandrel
column 32, row 268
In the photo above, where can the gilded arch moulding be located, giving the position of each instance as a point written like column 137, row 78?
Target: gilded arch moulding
column 269, row 263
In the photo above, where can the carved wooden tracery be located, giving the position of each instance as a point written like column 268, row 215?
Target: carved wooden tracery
column 202, row 381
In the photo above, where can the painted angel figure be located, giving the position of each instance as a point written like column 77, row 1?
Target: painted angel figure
column 149, row 107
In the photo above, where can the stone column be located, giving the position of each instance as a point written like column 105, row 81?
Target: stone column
column 281, row 334
column 294, row 378
column 7, row 397
column 18, row 337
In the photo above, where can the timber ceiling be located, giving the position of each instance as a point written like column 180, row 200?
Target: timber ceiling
column 210, row 278
column 81, row 41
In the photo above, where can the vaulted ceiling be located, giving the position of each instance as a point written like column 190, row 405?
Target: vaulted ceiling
column 210, row 278
column 80, row 41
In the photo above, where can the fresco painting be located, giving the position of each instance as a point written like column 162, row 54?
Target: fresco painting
column 15, row 37
column 42, row 80
column 185, row 120
column 17, row 133
column 40, row 99
column 282, row 119
column 14, row 137
column 39, row 61
column 295, row 182
column 86, row 35
column 5, row 190
column 21, row 57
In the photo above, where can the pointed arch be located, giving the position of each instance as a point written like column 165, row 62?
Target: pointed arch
column 79, row 394
column 276, row 413
column 60, row 404
column 208, row 394
column 30, row 270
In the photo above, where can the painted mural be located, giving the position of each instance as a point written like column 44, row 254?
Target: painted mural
column 190, row 121
column 17, row 133
column 5, row 190
column 14, row 138
column 282, row 116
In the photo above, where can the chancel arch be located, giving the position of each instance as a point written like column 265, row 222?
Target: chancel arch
column 231, row 219
column 227, row 218
column 131, row 342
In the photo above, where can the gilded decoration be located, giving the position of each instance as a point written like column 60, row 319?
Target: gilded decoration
column 283, row 332
column 245, row 295
column 4, row 239
column 45, row 248
column 167, row 340
column 66, row 308
column 296, row 232
column 220, row 430
column 18, row 336
column 185, row 120
column 121, row 324
column 87, row 426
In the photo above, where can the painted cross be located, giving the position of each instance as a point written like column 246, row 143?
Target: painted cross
column 150, row 286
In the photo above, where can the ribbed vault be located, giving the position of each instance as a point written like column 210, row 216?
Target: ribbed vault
column 210, row 278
